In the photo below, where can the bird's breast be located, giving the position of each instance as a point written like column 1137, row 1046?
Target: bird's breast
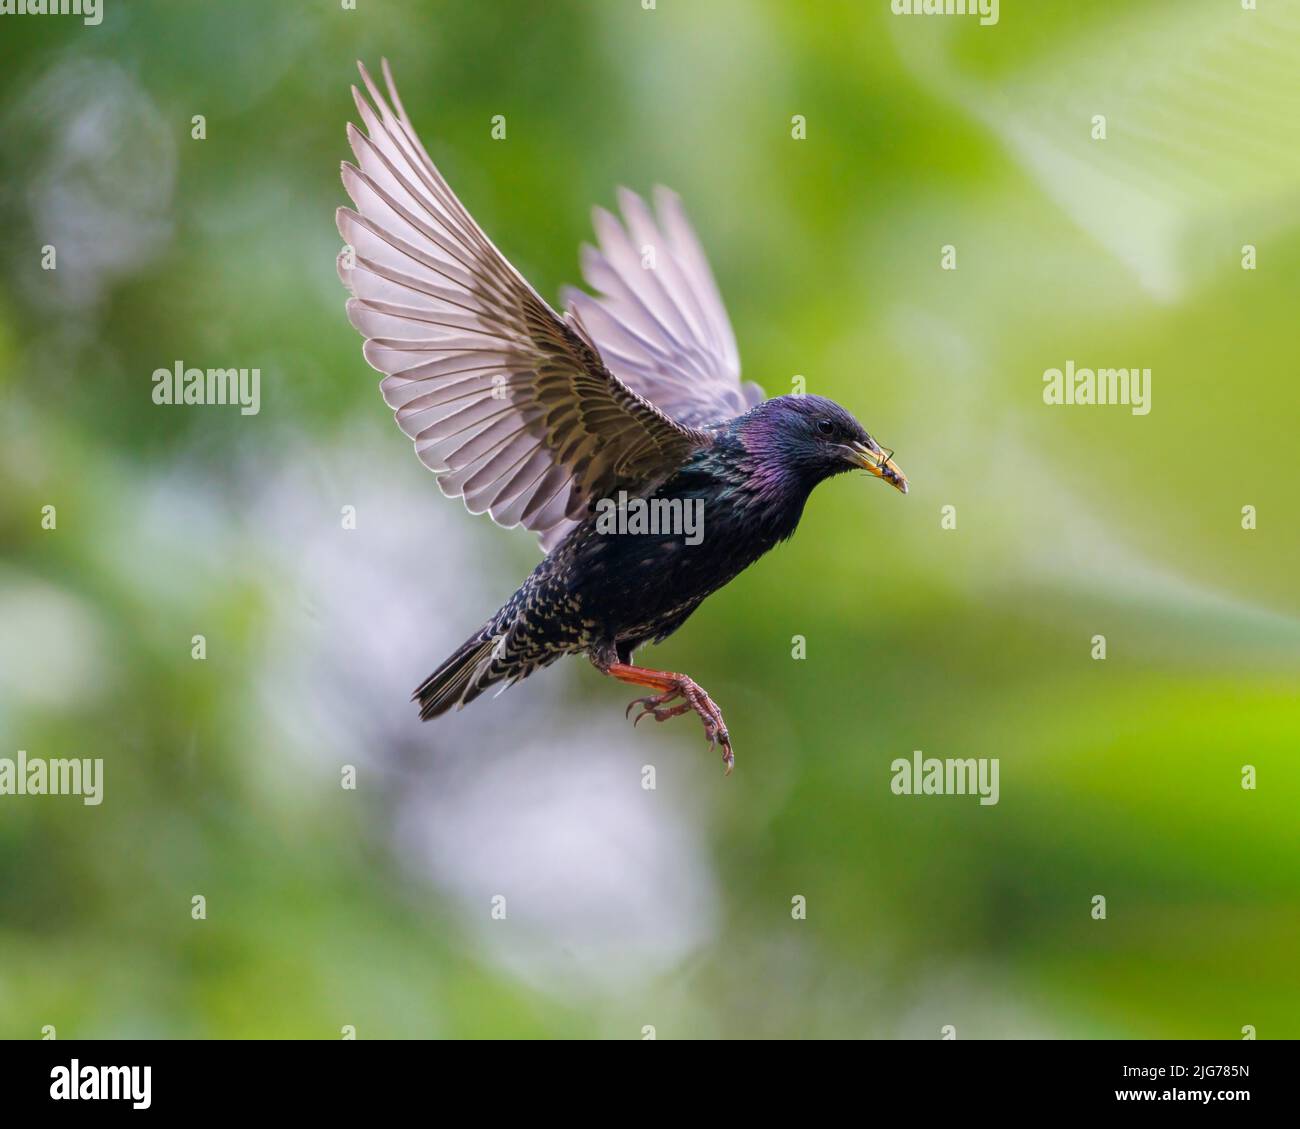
column 639, row 566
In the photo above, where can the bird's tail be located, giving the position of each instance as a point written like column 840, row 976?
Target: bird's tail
column 464, row 676
column 510, row 646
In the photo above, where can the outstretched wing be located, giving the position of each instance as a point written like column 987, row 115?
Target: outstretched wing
column 509, row 406
column 659, row 321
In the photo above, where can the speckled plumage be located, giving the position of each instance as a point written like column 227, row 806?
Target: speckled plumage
column 542, row 419
column 608, row 593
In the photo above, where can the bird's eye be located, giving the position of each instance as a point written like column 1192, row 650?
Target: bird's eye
column 825, row 427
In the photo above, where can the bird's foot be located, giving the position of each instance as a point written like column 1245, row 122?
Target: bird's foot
column 657, row 706
column 695, row 698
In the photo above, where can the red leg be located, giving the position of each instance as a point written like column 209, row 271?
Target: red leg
column 672, row 686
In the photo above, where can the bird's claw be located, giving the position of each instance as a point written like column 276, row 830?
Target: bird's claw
column 657, row 707
column 728, row 756
column 715, row 729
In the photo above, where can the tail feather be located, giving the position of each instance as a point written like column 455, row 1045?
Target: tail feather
column 510, row 646
column 460, row 679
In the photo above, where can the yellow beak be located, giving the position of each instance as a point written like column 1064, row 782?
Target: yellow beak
column 874, row 461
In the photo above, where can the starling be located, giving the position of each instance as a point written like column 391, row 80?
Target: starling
column 576, row 425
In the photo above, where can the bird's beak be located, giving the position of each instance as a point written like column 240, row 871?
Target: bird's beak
column 873, row 460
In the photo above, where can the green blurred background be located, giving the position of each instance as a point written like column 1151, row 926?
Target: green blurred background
column 670, row 907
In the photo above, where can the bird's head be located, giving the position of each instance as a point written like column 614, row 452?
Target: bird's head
column 816, row 438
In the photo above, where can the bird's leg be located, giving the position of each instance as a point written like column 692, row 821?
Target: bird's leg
column 671, row 687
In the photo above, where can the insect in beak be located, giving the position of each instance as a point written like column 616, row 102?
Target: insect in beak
column 873, row 460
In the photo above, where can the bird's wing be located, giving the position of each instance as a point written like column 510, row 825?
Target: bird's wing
column 659, row 321
column 508, row 404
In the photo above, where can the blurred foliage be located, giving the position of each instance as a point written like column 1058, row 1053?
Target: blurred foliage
column 1119, row 777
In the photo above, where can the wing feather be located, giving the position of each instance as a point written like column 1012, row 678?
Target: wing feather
column 510, row 405
column 657, row 318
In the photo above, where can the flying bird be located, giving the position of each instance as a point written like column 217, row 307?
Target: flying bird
column 543, row 419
